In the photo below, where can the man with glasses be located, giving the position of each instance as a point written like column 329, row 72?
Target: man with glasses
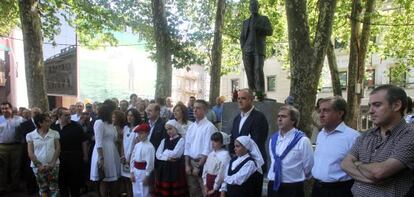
column 251, row 122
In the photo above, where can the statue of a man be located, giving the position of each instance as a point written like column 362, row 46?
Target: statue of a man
column 253, row 45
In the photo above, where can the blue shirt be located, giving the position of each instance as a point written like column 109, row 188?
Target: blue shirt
column 190, row 112
column 2, row 119
column 218, row 110
column 331, row 149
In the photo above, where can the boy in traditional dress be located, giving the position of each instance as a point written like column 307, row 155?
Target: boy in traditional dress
column 142, row 162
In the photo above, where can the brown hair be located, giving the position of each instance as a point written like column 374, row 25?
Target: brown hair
column 183, row 110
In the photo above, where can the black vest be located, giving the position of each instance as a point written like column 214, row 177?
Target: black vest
column 247, row 189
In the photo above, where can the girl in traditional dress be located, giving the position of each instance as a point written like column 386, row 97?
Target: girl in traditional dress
column 215, row 167
column 244, row 170
column 171, row 171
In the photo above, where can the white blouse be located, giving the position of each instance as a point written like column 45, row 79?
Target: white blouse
column 185, row 128
column 43, row 147
column 143, row 151
column 128, row 142
column 242, row 175
column 177, row 152
column 216, row 165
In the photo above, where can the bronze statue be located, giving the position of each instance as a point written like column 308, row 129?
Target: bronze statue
column 253, row 45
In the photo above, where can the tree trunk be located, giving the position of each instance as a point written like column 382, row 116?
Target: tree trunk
column 216, row 52
column 333, row 68
column 358, row 51
column 33, row 54
column 163, row 53
column 306, row 60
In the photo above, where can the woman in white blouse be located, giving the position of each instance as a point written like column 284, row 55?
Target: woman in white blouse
column 44, row 148
column 180, row 114
column 129, row 139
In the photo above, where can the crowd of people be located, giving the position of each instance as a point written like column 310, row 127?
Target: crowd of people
column 153, row 148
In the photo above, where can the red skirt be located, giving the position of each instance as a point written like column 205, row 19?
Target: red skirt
column 171, row 179
column 210, row 185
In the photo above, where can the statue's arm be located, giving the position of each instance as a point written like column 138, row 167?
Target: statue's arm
column 242, row 38
column 264, row 27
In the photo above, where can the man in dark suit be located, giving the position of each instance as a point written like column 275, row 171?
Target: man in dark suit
column 250, row 122
column 157, row 132
column 253, row 45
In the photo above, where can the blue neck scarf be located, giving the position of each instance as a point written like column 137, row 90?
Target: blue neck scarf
column 277, row 167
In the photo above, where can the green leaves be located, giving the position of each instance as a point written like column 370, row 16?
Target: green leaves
column 9, row 15
column 399, row 32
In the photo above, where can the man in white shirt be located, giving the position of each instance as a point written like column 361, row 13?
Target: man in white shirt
column 332, row 145
column 197, row 147
column 79, row 109
column 10, row 149
column 291, row 156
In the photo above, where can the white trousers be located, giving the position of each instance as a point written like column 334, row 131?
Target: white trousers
column 138, row 188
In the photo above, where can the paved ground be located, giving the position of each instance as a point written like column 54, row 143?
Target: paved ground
column 94, row 194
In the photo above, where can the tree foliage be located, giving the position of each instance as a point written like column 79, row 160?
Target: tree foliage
column 397, row 21
column 9, row 16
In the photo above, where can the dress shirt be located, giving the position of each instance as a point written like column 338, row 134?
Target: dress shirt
column 75, row 117
column 143, row 151
column 371, row 147
column 216, row 165
column 177, row 152
column 242, row 175
column 2, row 119
column 197, row 139
column 297, row 164
column 152, row 125
column 8, row 129
column 331, row 149
column 243, row 118
column 218, row 109
column 43, row 147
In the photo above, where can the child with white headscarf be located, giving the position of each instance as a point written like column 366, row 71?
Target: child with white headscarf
column 170, row 173
column 244, row 170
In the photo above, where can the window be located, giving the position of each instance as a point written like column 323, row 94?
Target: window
column 234, row 85
column 271, row 83
column 343, row 79
column 370, row 78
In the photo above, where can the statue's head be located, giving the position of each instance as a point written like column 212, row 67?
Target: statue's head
column 254, row 7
